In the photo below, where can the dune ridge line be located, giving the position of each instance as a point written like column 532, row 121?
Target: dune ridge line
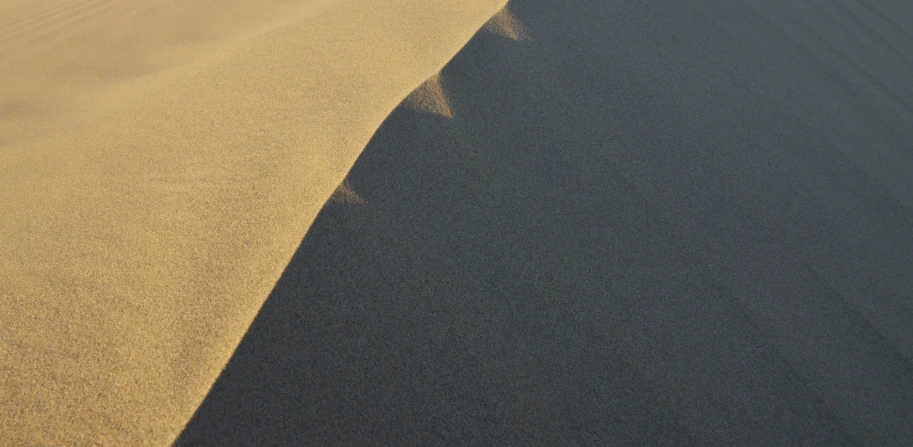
column 151, row 204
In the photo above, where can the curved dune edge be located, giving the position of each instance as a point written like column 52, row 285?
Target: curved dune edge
column 139, row 240
column 621, row 232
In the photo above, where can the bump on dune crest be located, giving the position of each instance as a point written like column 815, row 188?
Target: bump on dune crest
column 430, row 97
column 345, row 195
column 505, row 24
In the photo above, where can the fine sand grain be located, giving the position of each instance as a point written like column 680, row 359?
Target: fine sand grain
column 160, row 161
column 600, row 223
column 611, row 223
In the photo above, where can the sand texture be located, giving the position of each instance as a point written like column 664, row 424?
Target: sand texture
column 589, row 223
column 160, row 163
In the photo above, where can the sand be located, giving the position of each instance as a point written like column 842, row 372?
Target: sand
column 160, row 165
column 622, row 223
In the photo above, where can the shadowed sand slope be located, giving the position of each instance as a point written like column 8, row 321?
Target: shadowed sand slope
column 636, row 223
column 160, row 161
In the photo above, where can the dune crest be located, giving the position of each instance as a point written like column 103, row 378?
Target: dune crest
column 160, row 161
column 647, row 222
column 658, row 223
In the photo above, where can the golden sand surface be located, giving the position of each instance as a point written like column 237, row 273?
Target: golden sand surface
column 456, row 222
column 160, row 161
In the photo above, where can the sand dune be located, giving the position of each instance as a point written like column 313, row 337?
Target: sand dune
column 623, row 223
column 160, row 162
column 642, row 223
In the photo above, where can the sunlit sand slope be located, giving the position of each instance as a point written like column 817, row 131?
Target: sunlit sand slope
column 159, row 163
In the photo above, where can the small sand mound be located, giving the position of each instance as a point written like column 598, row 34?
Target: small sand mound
column 505, row 24
column 345, row 195
column 430, row 97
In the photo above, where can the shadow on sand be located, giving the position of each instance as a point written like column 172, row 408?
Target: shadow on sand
column 644, row 225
